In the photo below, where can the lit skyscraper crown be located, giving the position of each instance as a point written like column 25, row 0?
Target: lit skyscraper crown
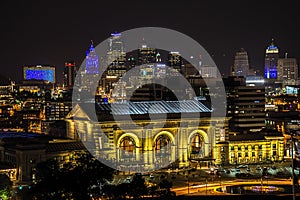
column 272, row 48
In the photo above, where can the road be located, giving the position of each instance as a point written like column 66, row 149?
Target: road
column 210, row 188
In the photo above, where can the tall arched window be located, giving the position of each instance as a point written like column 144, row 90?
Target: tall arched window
column 163, row 149
column 127, row 149
column 197, row 145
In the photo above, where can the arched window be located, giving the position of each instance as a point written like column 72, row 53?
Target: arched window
column 163, row 145
column 197, row 144
column 127, row 147
column 162, row 151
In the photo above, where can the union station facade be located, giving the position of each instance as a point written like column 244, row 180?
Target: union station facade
column 176, row 134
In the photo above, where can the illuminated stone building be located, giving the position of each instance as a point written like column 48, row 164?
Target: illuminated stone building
column 176, row 132
column 23, row 151
column 263, row 147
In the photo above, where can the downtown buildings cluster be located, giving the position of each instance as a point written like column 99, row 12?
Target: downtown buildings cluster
column 260, row 110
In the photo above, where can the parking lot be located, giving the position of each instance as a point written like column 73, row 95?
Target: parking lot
column 282, row 170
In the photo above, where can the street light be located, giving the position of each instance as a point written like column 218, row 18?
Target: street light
column 188, row 183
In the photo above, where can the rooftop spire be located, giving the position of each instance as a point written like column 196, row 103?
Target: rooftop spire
column 92, row 43
column 272, row 42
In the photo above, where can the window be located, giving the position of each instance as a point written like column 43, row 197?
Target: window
column 239, row 148
column 239, row 155
column 260, row 146
column 127, row 148
column 253, row 154
column 197, row 143
column 274, row 146
column 162, row 145
column 274, row 153
column 246, row 154
column 246, row 147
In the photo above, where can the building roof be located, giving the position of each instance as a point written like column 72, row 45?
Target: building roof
column 246, row 137
column 260, row 135
column 8, row 134
column 65, row 146
column 153, row 107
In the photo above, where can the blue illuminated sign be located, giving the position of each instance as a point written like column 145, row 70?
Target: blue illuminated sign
column 39, row 74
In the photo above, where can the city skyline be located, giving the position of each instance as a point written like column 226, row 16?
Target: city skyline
column 46, row 33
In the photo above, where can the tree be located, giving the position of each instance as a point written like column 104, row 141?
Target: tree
column 165, row 184
column 5, row 187
column 76, row 180
column 137, row 185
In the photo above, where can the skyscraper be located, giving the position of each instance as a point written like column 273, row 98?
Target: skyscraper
column 271, row 59
column 287, row 69
column 92, row 66
column 241, row 63
column 69, row 74
column 116, row 48
column 115, row 62
column 245, row 105
column 147, row 55
column 175, row 61
column 89, row 76
column 116, row 57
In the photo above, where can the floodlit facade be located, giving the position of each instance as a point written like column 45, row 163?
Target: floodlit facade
column 156, row 142
column 262, row 147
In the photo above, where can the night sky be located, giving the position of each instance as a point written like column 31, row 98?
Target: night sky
column 52, row 32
